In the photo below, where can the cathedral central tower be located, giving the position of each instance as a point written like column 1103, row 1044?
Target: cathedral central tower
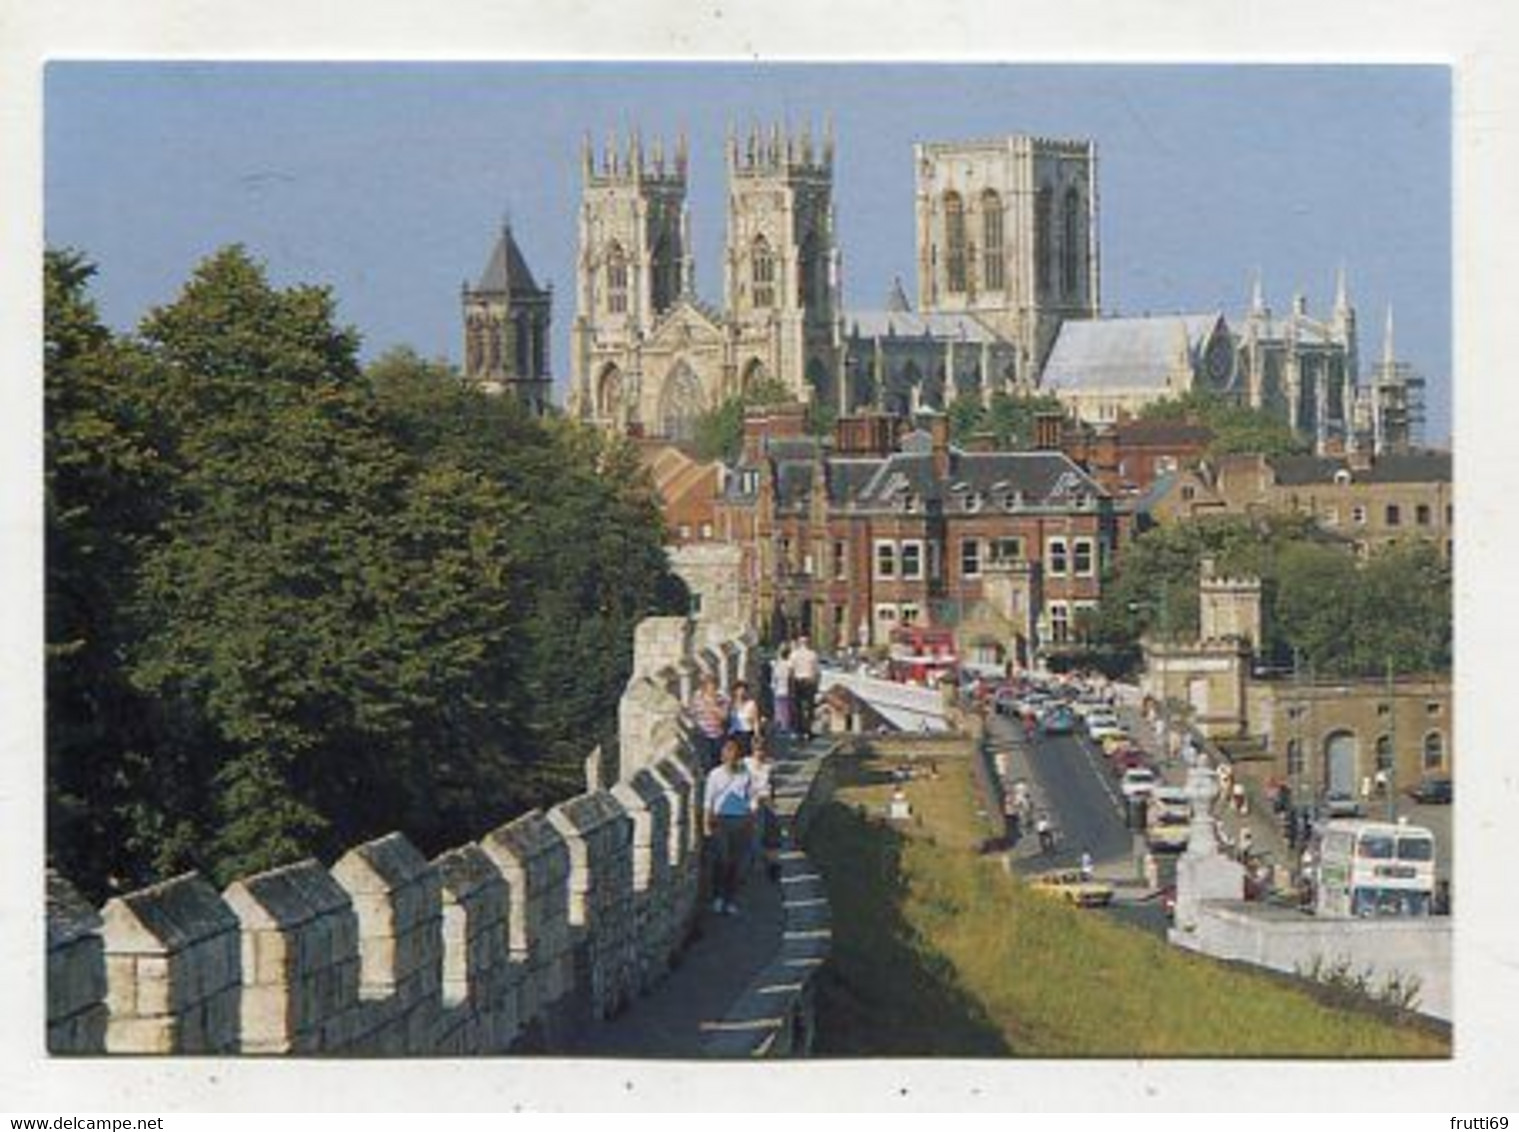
column 1007, row 231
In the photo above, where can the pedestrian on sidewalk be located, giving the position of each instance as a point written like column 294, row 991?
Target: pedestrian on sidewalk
column 1088, row 867
column 728, row 809
column 805, row 670
column 709, row 712
column 780, row 685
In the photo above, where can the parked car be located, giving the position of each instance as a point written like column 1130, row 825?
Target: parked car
column 1105, row 728
column 1168, row 830
column 1071, row 886
column 1432, row 791
column 1138, row 782
column 1338, row 804
column 1059, row 720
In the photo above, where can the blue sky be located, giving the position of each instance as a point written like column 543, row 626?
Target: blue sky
column 387, row 182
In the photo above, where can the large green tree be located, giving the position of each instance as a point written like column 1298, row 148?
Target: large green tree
column 293, row 604
column 1322, row 606
column 103, row 487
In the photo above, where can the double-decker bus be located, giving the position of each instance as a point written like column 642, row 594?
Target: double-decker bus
column 920, row 655
column 1369, row 868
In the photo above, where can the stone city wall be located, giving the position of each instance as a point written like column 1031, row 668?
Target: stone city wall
column 1417, row 947
column 507, row 944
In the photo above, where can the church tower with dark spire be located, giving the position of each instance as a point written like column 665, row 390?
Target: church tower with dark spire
column 506, row 328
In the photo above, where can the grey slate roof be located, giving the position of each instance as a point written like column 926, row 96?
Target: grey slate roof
column 1040, row 478
column 1124, row 353
column 917, row 324
column 1404, row 467
column 507, row 271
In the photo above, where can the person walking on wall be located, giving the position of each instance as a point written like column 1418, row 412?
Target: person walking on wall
column 709, row 712
column 745, row 723
column 780, row 677
column 804, row 686
column 767, row 828
column 728, row 810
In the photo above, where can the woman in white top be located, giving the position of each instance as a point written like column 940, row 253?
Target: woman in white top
column 780, row 686
column 746, row 717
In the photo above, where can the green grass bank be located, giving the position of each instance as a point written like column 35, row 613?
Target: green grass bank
column 938, row 951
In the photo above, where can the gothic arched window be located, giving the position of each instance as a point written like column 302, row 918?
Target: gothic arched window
column 1070, row 242
column 666, row 273
column 762, row 267
column 617, row 279
column 809, row 288
column 493, row 348
column 1044, row 237
column 991, row 240
column 954, row 243
column 474, row 351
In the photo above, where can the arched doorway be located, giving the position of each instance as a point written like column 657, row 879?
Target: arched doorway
column 609, row 393
column 1340, row 762
column 680, row 403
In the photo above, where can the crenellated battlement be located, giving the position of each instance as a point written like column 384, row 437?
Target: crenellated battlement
column 508, row 943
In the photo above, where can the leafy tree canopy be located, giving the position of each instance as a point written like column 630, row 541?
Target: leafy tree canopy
column 1008, row 418
column 1236, row 428
column 1337, row 614
column 720, row 431
column 326, row 603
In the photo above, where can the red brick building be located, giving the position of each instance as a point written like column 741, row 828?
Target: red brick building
column 1127, row 457
column 886, row 528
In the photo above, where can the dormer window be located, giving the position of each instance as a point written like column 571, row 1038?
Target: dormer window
column 1342, row 477
column 973, row 502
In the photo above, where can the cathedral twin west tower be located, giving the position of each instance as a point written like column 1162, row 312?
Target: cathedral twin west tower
column 646, row 352
column 1008, row 299
column 1006, row 250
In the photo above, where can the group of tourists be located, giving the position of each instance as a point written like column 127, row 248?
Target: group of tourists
column 738, row 814
column 733, row 738
column 794, row 689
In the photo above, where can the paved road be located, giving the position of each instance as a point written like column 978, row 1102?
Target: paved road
column 1072, row 783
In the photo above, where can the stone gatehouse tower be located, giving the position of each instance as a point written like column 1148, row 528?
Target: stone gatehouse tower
column 647, row 354
column 1007, row 232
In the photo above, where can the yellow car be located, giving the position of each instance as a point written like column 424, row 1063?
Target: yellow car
column 1072, row 887
column 1169, row 831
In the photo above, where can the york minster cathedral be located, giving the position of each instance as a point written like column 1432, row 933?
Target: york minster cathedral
column 1008, row 298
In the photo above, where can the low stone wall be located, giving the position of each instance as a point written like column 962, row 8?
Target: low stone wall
column 546, row 923
column 76, row 986
column 774, row 1016
column 1291, row 942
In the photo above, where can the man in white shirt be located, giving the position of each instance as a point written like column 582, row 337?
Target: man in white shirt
column 728, row 803
column 804, row 686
